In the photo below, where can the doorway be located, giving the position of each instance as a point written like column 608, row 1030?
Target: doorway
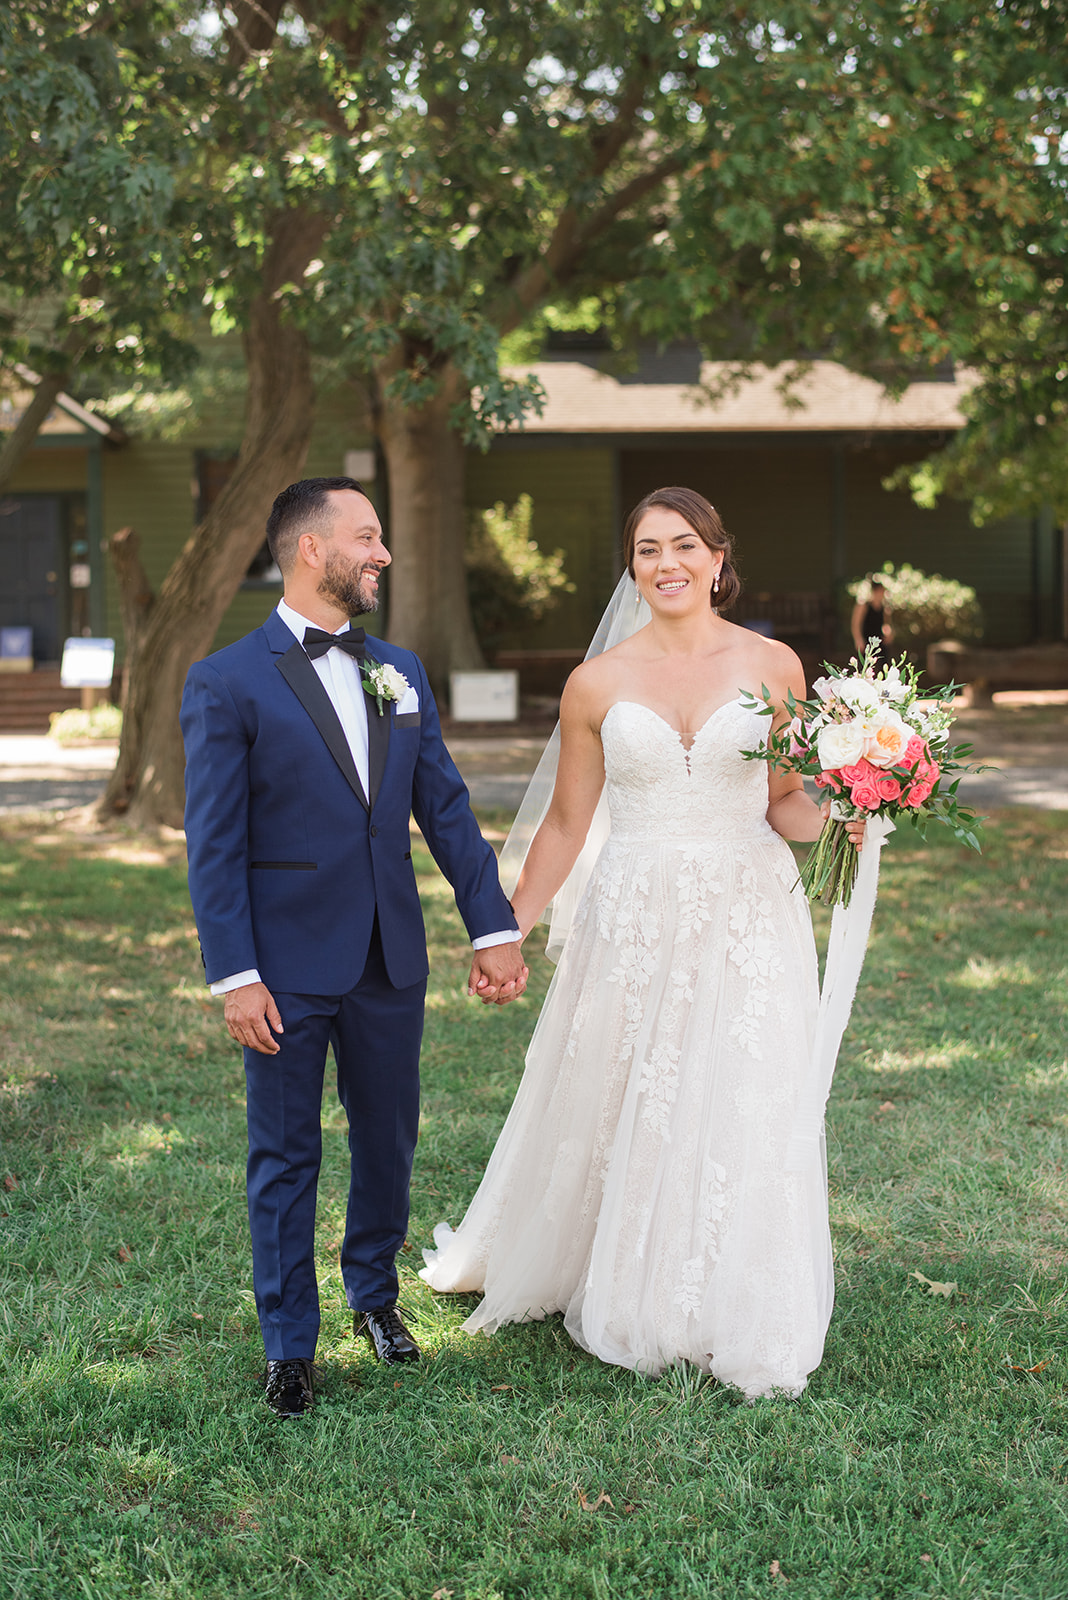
column 35, row 539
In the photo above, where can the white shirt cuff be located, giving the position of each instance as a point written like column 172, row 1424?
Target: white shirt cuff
column 487, row 940
column 238, row 980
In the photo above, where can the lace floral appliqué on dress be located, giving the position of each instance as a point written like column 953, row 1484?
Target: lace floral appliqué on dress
column 638, row 1183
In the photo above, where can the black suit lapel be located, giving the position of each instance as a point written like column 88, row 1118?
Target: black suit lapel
column 378, row 730
column 297, row 670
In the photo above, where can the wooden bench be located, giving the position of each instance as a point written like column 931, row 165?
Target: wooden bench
column 985, row 670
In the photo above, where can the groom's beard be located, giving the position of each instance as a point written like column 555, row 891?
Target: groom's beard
column 343, row 581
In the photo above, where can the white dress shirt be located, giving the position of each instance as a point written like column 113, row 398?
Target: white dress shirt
column 339, row 674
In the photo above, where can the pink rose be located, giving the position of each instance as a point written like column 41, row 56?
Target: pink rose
column 889, row 788
column 915, row 751
column 918, row 793
column 859, row 771
column 866, row 793
column 829, row 780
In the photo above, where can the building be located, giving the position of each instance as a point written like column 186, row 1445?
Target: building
column 798, row 478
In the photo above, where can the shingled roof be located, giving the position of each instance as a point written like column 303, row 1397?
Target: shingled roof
column 581, row 399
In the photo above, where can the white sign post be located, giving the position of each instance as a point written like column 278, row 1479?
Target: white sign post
column 88, row 665
column 484, row 696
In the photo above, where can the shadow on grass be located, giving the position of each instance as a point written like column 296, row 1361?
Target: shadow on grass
column 926, row 1458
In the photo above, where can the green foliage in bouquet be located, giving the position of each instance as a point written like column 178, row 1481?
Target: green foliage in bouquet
column 924, row 607
column 878, row 746
column 511, row 581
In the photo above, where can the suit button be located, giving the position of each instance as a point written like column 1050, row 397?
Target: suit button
column 374, row 832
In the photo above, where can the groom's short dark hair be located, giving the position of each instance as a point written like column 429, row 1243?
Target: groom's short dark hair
column 302, row 505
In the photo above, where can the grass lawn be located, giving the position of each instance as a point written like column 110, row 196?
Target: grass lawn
column 927, row 1458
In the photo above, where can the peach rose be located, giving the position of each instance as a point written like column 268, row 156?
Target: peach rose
column 887, row 738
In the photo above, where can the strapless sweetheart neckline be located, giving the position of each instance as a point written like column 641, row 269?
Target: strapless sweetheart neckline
column 640, row 706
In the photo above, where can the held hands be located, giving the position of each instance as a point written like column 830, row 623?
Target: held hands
column 498, row 974
column 854, row 828
column 252, row 1018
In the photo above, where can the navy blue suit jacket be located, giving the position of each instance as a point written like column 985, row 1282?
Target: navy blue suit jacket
column 289, row 860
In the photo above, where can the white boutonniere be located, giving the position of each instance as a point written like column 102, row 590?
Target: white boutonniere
column 383, row 682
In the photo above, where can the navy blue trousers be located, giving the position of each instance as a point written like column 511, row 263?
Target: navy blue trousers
column 375, row 1031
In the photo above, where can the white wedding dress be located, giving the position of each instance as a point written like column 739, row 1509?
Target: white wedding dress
column 638, row 1185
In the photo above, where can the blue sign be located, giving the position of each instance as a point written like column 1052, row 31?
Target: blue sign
column 16, row 644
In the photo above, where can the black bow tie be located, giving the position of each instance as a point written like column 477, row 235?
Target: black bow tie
column 317, row 643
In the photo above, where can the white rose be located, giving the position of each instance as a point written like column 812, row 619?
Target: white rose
column 394, row 683
column 840, row 744
column 824, row 688
column 886, row 736
column 860, row 693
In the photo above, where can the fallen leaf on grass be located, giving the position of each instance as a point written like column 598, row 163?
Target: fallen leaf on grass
column 887, row 1105
column 775, row 1571
column 501, row 1388
column 124, row 1254
column 1039, row 1366
column 934, row 1287
column 925, row 1558
column 10, row 1182
column 594, row 1505
column 510, row 1461
column 441, row 1594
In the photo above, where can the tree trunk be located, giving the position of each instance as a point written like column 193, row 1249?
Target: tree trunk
column 147, row 786
column 428, row 606
column 48, row 389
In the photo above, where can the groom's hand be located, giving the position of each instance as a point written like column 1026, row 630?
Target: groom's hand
column 498, row 974
column 247, row 1013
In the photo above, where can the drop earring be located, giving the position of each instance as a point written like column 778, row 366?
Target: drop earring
column 715, row 584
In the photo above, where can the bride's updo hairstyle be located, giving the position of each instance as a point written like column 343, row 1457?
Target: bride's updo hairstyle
column 704, row 520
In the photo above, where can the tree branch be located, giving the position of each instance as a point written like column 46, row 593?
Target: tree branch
column 254, row 28
column 48, row 389
column 563, row 256
column 136, row 596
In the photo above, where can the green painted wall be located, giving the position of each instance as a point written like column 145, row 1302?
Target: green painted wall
column 779, row 500
column 50, row 471
column 572, row 491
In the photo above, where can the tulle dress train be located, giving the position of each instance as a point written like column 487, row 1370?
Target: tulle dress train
column 638, row 1185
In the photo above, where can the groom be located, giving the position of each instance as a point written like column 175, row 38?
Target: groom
column 308, row 749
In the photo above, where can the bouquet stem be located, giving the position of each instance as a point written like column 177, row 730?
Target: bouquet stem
column 830, row 869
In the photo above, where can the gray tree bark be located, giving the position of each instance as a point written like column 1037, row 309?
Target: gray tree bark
column 147, row 786
column 428, row 605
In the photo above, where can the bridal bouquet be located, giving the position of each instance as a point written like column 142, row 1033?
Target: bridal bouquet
column 881, row 748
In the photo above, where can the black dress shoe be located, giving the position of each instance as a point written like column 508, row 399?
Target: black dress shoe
column 288, row 1387
column 390, row 1339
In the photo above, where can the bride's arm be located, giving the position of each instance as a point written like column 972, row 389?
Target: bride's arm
column 579, row 781
column 790, row 811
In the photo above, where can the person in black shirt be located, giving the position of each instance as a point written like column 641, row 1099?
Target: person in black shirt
column 871, row 620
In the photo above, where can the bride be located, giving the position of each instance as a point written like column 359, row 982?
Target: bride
column 639, row 1183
